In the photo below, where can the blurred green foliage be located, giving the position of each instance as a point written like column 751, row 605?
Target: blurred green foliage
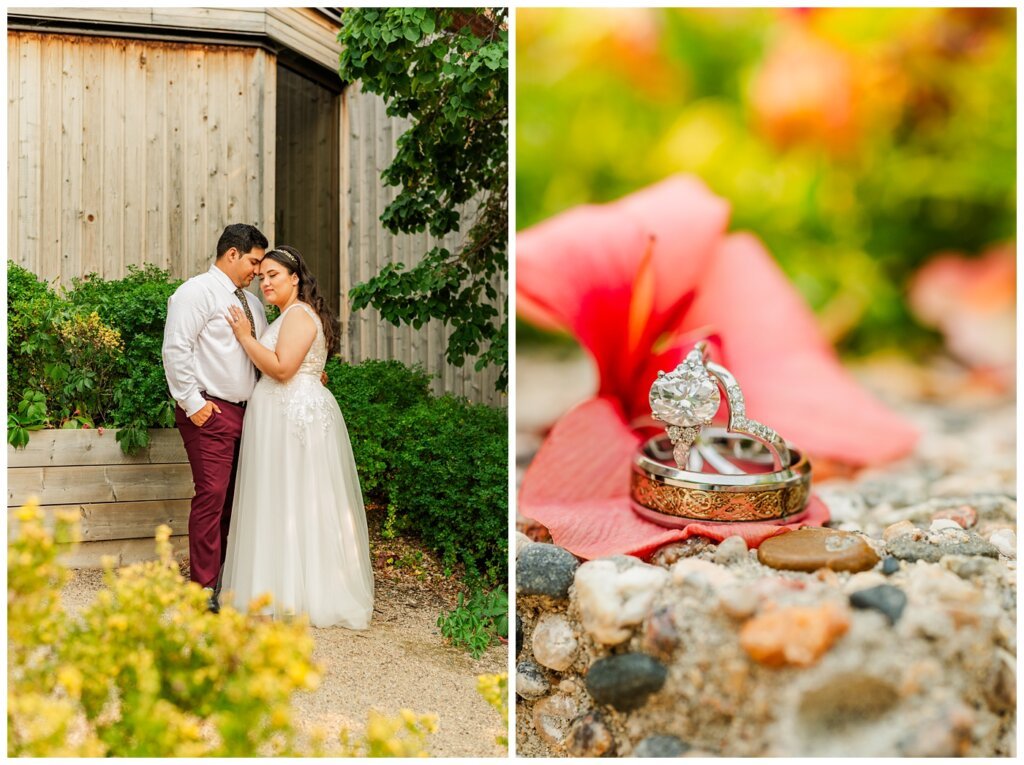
column 856, row 143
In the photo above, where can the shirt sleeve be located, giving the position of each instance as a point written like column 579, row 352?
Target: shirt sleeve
column 186, row 316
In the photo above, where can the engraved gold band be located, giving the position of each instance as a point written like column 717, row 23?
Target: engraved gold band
column 673, row 497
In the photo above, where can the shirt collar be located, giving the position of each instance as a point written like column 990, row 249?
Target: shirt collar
column 223, row 279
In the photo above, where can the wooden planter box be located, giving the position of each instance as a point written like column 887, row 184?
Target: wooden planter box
column 120, row 499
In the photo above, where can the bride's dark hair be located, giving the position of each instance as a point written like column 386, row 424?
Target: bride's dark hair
column 309, row 292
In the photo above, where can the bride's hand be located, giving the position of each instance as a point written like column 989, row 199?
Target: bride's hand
column 239, row 324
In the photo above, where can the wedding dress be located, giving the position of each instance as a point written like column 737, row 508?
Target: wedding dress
column 298, row 527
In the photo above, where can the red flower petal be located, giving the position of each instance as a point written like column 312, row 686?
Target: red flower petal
column 578, row 487
column 791, row 377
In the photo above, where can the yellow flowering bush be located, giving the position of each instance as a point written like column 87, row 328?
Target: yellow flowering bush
column 494, row 689
column 145, row 671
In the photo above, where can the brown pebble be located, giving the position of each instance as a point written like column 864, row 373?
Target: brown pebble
column 965, row 515
column 796, row 635
column 811, row 549
column 661, row 633
column 590, row 737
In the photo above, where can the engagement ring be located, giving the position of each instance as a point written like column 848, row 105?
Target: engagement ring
column 687, row 398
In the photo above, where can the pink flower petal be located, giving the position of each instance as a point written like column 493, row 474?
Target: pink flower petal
column 578, row 488
column 620, row 275
column 791, row 377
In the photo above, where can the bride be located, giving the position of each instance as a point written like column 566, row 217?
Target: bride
column 298, row 527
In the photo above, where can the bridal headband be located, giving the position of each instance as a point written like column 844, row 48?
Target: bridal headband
column 291, row 258
column 752, row 475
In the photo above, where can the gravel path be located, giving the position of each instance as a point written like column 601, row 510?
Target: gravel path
column 401, row 661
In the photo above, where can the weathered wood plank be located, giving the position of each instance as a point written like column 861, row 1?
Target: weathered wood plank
column 28, row 159
column 16, row 251
column 113, row 210
column 117, row 15
column 100, row 483
column 93, row 150
column 50, row 157
column 153, row 61
column 197, row 239
column 120, row 520
column 72, row 83
column 176, row 174
column 227, row 19
column 55, row 448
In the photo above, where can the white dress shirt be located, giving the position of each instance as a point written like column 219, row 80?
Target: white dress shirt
column 200, row 351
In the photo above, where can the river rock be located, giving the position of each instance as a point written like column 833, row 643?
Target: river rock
column 530, row 681
column 795, row 635
column 902, row 529
column 615, row 594
column 905, row 548
column 660, row 746
column 884, row 598
column 625, row 681
column 554, row 642
column 1005, row 541
column 942, row 524
column 544, row 569
column 731, row 550
column 590, row 737
column 811, row 549
column 553, row 716
column 890, row 565
column 964, row 515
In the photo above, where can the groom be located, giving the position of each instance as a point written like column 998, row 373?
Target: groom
column 211, row 379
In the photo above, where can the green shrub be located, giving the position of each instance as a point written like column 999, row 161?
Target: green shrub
column 476, row 622
column 137, row 306
column 92, row 351
column 449, row 482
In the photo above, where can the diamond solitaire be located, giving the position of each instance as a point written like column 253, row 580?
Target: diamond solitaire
column 686, row 399
column 687, row 396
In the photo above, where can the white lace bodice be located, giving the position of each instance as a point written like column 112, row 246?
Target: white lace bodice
column 303, row 398
column 316, row 356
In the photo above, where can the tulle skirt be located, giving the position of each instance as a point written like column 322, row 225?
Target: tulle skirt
column 298, row 526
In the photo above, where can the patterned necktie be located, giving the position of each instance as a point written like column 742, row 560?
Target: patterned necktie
column 248, row 314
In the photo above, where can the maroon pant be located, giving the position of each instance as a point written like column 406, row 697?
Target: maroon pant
column 213, row 454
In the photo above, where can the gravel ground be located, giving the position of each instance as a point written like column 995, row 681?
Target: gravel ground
column 401, row 661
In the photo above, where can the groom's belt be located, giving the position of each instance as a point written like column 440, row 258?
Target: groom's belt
column 206, row 395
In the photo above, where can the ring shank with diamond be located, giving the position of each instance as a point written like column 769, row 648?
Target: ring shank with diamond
column 674, row 497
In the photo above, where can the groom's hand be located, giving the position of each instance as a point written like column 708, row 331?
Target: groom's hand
column 199, row 418
column 323, row 379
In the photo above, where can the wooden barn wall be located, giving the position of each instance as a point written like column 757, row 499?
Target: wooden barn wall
column 127, row 152
column 369, row 137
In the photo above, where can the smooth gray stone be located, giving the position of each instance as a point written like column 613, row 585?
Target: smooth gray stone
column 660, row 746
column 544, row 569
column 625, row 681
column 905, row 548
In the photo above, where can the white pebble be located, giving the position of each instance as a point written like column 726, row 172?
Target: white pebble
column 615, row 594
column 1005, row 541
column 731, row 550
column 554, row 643
column 941, row 524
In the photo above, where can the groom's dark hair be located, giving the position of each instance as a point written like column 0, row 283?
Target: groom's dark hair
column 242, row 237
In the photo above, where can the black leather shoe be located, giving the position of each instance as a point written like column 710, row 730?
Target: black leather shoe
column 213, row 602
